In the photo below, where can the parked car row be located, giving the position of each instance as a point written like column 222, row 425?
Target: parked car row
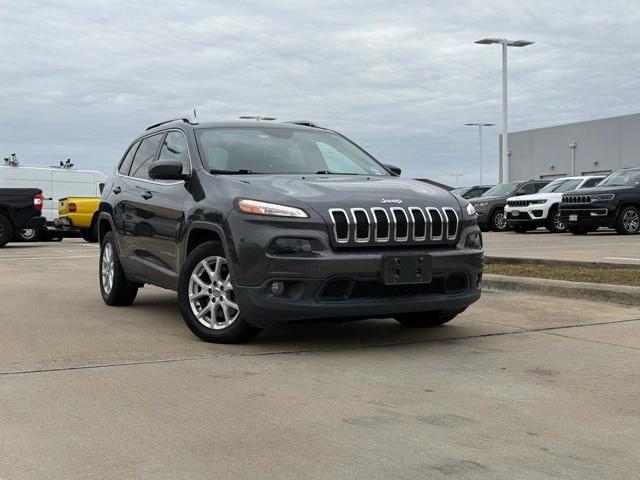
column 575, row 204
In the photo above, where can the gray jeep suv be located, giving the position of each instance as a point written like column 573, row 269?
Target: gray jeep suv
column 260, row 223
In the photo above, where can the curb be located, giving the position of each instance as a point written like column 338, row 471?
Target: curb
column 598, row 292
column 556, row 263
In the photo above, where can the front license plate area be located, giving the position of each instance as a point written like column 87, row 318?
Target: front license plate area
column 573, row 218
column 406, row 269
column 515, row 213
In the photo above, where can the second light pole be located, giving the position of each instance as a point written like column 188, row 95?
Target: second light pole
column 504, row 173
column 480, row 125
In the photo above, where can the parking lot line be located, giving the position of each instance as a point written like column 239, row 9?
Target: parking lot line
column 62, row 257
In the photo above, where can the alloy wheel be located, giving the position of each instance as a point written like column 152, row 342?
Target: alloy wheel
column 107, row 268
column 500, row 221
column 631, row 221
column 558, row 223
column 27, row 233
column 211, row 295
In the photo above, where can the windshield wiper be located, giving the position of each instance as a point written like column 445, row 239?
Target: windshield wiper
column 242, row 171
column 328, row 172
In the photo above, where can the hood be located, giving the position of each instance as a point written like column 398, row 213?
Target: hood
column 485, row 199
column 322, row 192
column 601, row 189
column 537, row 196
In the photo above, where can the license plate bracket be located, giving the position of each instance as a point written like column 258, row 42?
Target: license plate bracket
column 406, row 269
column 573, row 218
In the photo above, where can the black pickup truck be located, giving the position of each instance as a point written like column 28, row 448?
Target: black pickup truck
column 19, row 208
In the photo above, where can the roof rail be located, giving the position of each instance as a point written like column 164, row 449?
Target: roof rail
column 304, row 123
column 185, row 120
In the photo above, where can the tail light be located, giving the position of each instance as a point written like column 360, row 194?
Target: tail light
column 73, row 207
column 38, row 200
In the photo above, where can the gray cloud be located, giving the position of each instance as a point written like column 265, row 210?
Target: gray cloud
column 399, row 77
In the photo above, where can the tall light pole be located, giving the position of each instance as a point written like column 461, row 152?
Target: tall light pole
column 480, row 125
column 505, row 43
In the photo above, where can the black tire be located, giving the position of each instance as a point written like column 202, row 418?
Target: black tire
column 554, row 224
column 28, row 235
column 6, row 231
column 122, row 291
column 211, row 299
column 498, row 221
column 628, row 221
column 89, row 234
column 579, row 230
column 427, row 319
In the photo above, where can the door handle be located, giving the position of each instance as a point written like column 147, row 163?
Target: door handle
column 146, row 195
column 116, row 189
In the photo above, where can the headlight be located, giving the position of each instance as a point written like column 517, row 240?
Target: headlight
column 537, row 202
column 481, row 204
column 471, row 210
column 603, row 196
column 263, row 208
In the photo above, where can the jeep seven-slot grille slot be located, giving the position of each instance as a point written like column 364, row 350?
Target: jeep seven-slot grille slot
column 396, row 224
column 572, row 199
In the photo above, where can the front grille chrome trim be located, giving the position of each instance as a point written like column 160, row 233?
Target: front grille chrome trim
column 335, row 227
column 412, row 211
column 355, row 223
column 375, row 225
column 455, row 214
column 442, row 223
column 395, row 224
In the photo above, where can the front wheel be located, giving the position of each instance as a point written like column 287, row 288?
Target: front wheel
column 628, row 222
column 6, row 231
column 427, row 319
column 499, row 221
column 207, row 299
column 116, row 290
column 555, row 223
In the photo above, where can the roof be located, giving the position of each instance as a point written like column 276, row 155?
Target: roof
column 297, row 125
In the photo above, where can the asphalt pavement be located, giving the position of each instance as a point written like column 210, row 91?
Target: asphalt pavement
column 516, row 387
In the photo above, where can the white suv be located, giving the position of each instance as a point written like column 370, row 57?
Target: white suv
column 528, row 212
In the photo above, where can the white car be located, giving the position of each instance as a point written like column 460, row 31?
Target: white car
column 528, row 212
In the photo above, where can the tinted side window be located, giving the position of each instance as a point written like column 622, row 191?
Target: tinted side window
column 538, row 186
column 174, row 147
column 591, row 183
column 526, row 189
column 125, row 165
column 145, row 154
column 473, row 193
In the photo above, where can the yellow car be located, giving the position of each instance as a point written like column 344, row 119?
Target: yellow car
column 79, row 213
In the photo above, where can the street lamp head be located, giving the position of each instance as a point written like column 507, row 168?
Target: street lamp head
column 489, row 41
column 479, row 124
column 519, row 43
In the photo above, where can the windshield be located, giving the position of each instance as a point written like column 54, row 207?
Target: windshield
column 459, row 191
column 562, row 185
column 622, row 178
column 283, row 150
column 501, row 190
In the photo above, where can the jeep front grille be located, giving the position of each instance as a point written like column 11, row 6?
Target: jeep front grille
column 396, row 224
column 518, row 203
column 573, row 199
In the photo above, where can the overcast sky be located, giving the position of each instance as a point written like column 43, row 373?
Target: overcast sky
column 80, row 79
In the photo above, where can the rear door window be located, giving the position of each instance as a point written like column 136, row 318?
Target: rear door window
column 527, row 189
column 538, row 185
column 144, row 156
column 125, row 165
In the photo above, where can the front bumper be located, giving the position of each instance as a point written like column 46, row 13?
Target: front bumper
column 310, row 287
column 531, row 215
column 588, row 216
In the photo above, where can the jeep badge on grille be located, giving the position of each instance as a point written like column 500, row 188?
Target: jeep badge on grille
column 391, row 200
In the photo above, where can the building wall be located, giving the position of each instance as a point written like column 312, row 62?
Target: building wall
column 601, row 146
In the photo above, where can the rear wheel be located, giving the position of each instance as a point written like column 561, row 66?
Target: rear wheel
column 628, row 222
column 427, row 319
column 207, row 299
column 498, row 221
column 6, row 231
column 555, row 223
column 27, row 235
column 89, row 234
column 116, row 290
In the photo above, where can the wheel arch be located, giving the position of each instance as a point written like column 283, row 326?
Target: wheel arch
column 198, row 233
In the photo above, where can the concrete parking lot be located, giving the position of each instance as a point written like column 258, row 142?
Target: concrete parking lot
column 602, row 246
column 516, row 387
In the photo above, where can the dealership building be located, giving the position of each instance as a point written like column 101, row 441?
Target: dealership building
column 584, row 148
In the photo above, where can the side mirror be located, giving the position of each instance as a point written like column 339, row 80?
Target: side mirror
column 167, row 170
column 393, row 169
